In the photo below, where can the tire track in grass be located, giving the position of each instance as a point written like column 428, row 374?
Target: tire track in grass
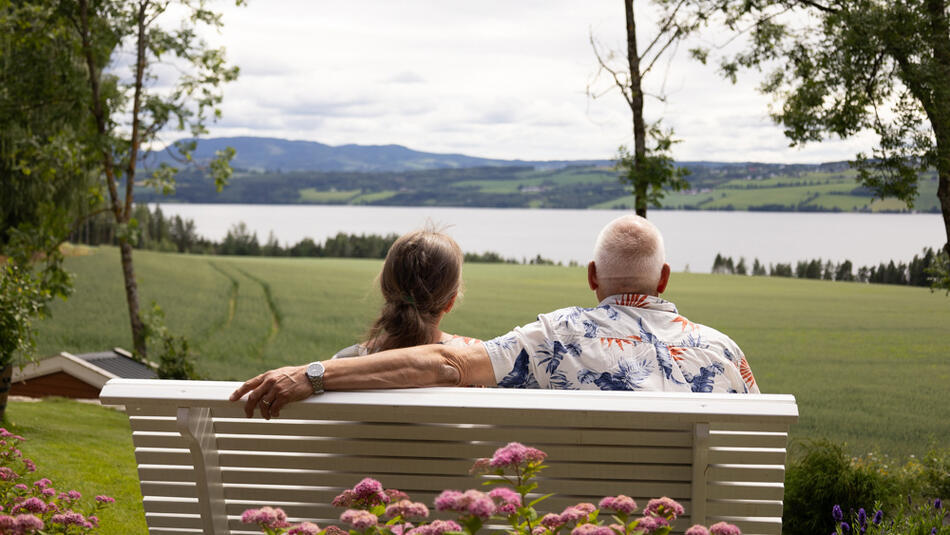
column 276, row 316
column 232, row 298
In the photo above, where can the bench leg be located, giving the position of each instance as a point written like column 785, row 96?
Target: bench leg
column 196, row 426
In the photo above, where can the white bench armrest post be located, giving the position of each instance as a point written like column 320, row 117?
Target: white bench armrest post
column 196, row 426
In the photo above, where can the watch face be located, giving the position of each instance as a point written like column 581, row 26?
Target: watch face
column 314, row 370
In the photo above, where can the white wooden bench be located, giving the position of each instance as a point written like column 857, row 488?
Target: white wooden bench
column 201, row 463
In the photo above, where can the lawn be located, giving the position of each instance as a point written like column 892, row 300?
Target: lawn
column 83, row 447
column 867, row 363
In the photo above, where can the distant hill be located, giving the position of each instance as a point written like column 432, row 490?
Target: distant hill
column 272, row 154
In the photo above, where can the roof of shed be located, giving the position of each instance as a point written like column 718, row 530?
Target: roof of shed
column 119, row 363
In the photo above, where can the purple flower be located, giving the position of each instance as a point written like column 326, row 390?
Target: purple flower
column 619, row 503
column 471, row 502
column 7, row 475
column 937, row 503
column 30, row 465
column 862, row 518
column 845, row 527
column 514, row 454
column 665, row 507
column 481, row 466
column 304, row 528
column 7, row 524
column 359, row 519
column 724, row 528
column 933, row 531
column 334, row 530
column 447, row 500
column 437, row 527
column 836, row 513
column 43, row 483
column 539, row 530
column 102, row 498
column 878, row 517
column 697, row 530
column 650, row 524
column 575, row 513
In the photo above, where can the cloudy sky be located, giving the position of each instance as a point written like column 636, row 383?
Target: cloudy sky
column 491, row 78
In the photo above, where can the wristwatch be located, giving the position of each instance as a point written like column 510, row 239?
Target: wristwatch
column 315, row 376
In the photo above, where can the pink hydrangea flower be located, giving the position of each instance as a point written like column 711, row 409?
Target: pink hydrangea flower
column 27, row 523
column 102, row 498
column 481, row 466
column 49, row 492
column 514, row 454
column 7, row 474
column 576, row 512
column 32, row 504
column 334, row 530
column 620, row 503
column 437, row 527
column 396, row 495
column 507, row 501
column 7, row 524
column 359, row 519
column 552, row 521
column 697, row 530
column 650, row 524
column 266, row 517
column 30, row 465
column 664, row 507
column 21, row 487
column 592, row 529
column 43, row 483
column 366, row 493
column 93, row 520
column 472, row 502
column 407, row 510
column 304, row 528
column 724, row 528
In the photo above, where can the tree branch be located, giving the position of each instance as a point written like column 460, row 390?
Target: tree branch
column 673, row 38
column 603, row 65
column 670, row 19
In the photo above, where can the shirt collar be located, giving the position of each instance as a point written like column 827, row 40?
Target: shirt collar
column 649, row 302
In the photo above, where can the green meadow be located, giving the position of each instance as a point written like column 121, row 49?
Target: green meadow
column 867, row 363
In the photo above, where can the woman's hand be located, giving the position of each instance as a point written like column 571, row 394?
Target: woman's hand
column 273, row 389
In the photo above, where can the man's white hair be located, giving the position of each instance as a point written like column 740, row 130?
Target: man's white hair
column 629, row 255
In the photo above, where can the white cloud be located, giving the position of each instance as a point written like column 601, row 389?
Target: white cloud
column 491, row 78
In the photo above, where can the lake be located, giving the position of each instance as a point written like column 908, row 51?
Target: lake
column 693, row 238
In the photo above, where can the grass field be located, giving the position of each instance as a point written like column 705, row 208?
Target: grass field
column 868, row 363
column 83, row 447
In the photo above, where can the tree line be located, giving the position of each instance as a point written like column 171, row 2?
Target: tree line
column 920, row 271
column 152, row 230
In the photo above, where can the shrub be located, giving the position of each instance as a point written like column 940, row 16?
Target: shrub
column 825, row 477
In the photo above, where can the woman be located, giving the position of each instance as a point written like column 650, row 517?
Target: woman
column 420, row 281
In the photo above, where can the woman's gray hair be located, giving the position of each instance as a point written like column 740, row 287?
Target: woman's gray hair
column 629, row 255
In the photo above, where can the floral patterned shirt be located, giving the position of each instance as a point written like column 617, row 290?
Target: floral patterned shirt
column 627, row 342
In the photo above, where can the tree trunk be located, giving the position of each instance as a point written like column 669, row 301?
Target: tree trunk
column 636, row 106
column 132, row 298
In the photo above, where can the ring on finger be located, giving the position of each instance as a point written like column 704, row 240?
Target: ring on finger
column 265, row 403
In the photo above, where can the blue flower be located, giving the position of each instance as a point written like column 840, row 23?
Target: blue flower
column 836, row 513
column 878, row 517
column 845, row 527
column 937, row 503
column 862, row 517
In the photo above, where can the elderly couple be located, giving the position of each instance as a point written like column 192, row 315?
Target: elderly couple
column 632, row 340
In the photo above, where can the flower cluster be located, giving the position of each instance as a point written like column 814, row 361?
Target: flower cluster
column 929, row 517
column 38, row 507
column 371, row 510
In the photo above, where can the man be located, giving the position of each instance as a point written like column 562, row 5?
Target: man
column 632, row 340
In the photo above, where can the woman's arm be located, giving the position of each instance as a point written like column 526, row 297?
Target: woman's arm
column 429, row 365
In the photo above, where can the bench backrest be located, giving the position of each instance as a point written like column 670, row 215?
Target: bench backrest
column 202, row 463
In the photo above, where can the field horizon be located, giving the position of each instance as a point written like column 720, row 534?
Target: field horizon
column 866, row 362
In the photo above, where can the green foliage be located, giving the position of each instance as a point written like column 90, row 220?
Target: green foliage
column 840, row 68
column 654, row 173
column 174, row 359
column 21, row 302
column 822, row 478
